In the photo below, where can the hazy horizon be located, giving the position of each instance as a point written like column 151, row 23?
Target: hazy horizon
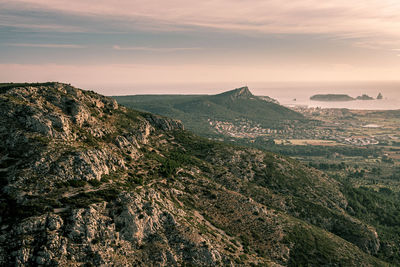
column 284, row 92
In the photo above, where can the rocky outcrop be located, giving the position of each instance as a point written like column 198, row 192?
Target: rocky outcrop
column 53, row 110
column 135, row 230
column 88, row 165
column 163, row 123
column 143, row 219
column 72, row 138
column 87, row 182
column 60, row 112
column 242, row 92
column 269, row 99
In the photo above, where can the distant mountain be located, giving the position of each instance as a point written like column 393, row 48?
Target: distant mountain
column 331, row 97
column 199, row 112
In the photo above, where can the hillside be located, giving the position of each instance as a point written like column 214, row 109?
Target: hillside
column 85, row 181
column 203, row 113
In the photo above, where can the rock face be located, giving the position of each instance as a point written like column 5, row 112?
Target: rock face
column 164, row 123
column 62, row 149
column 242, row 92
column 85, row 181
column 270, row 99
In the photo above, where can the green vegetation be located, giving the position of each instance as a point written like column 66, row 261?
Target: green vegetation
column 171, row 161
column 196, row 111
column 294, row 181
column 95, row 183
column 380, row 209
column 75, row 183
column 306, row 151
column 13, row 210
column 265, row 203
column 314, row 247
column 83, row 200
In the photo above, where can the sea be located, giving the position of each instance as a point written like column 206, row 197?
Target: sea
column 299, row 94
column 286, row 93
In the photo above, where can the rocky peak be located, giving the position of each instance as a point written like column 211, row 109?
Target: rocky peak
column 242, row 92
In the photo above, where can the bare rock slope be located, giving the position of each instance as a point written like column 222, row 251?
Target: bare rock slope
column 85, row 181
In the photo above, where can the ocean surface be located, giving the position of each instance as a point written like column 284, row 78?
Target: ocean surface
column 299, row 94
column 289, row 94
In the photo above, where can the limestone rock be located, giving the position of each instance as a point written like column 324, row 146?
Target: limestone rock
column 87, row 182
column 165, row 124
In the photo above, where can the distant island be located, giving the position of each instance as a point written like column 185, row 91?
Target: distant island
column 332, row 97
column 340, row 97
column 364, row 97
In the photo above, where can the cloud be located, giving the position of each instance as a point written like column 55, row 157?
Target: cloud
column 357, row 19
column 73, row 46
column 155, row 49
column 269, row 15
column 25, row 18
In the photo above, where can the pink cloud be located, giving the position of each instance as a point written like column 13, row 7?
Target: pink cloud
column 379, row 19
column 46, row 45
column 155, row 49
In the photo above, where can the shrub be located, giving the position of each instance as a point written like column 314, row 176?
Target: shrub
column 76, row 183
column 94, row 182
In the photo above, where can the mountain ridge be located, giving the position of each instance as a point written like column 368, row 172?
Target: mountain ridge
column 87, row 181
column 232, row 106
column 241, row 92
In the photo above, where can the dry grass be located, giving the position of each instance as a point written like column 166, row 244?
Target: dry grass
column 304, row 142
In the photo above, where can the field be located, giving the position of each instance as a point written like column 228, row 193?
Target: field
column 340, row 144
column 305, row 142
column 374, row 137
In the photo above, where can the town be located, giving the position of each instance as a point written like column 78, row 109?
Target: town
column 358, row 128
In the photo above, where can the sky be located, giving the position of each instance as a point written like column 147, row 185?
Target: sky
column 134, row 42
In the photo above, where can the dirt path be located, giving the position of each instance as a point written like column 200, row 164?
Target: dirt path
column 85, row 189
